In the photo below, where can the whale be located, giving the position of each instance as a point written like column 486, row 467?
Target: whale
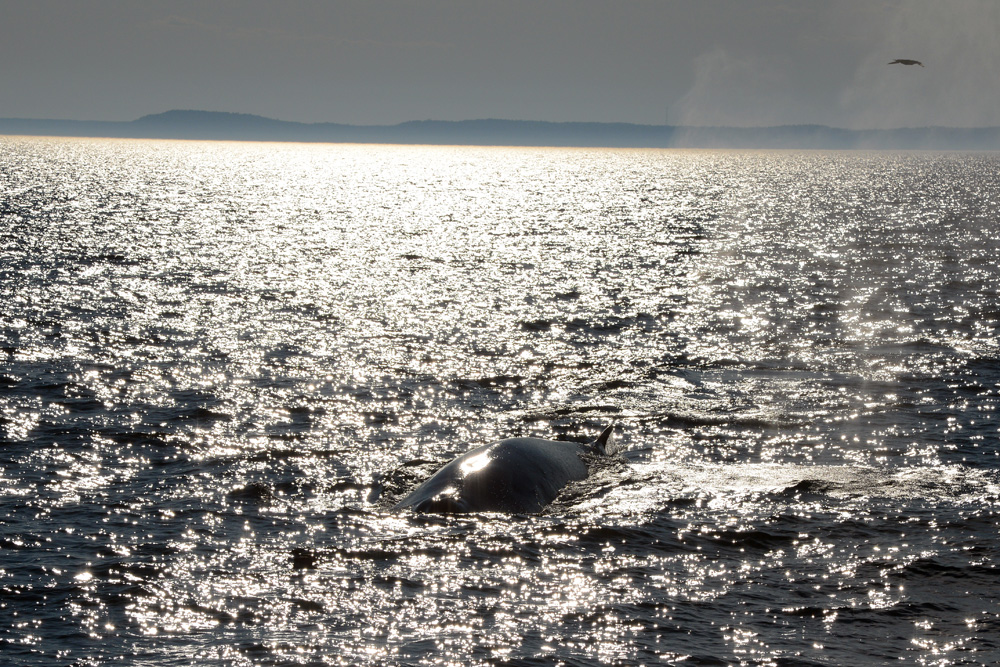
column 515, row 476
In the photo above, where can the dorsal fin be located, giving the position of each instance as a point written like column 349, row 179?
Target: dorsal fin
column 601, row 444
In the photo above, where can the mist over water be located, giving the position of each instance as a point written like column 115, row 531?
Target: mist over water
column 220, row 361
column 843, row 78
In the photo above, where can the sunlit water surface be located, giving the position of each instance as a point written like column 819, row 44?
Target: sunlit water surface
column 218, row 359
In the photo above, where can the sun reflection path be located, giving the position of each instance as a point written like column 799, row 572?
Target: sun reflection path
column 214, row 351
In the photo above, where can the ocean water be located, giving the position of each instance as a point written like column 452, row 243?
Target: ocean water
column 220, row 362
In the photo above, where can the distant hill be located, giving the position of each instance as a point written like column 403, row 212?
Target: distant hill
column 217, row 120
column 213, row 125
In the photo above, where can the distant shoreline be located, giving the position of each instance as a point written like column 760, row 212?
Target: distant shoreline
column 221, row 126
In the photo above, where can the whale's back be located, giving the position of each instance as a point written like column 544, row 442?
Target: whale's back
column 517, row 475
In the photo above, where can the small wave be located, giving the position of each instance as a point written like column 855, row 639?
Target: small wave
column 808, row 487
column 388, row 488
column 923, row 569
column 745, row 421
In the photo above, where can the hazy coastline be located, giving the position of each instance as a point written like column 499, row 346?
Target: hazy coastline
column 210, row 125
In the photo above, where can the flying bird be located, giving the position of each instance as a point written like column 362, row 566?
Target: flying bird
column 904, row 61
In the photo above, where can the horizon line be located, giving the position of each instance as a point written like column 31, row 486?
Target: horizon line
column 245, row 115
column 190, row 124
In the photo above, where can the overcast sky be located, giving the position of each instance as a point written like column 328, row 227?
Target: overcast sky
column 704, row 62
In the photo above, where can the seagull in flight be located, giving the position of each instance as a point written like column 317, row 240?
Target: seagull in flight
column 904, row 61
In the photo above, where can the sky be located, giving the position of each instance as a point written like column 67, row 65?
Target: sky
column 372, row 62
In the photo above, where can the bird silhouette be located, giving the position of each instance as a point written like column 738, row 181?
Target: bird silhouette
column 904, row 61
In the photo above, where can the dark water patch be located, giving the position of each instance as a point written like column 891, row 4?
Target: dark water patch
column 116, row 259
column 279, row 433
column 523, row 549
column 256, row 493
column 141, row 438
column 276, row 454
column 381, row 418
column 308, row 558
column 393, row 583
column 81, row 404
column 611, row 385
column 18, row 541
column 759, row 540
column 703, row 660
column 739, row 543
column 283, row 353
column 809, row 488
column 908, row 610
column 571, row 295
column 198, row 414
column 247, row 613
column 309, row 606
column 490, row 382
column 605, row 326
column 537, row 325
column 692, row 419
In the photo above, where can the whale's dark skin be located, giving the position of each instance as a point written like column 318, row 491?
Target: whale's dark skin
column 517, row 475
